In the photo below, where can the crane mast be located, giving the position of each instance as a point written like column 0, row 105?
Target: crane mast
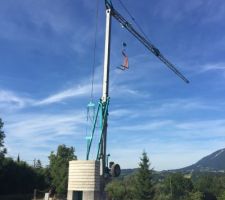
column 105, row 91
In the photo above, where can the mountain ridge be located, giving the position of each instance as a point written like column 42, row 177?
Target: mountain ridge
column 214, row 162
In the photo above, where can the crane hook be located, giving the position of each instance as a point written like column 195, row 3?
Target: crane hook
column 125, row 64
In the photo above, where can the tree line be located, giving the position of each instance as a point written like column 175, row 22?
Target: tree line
column 146, row 184
column 18, row 177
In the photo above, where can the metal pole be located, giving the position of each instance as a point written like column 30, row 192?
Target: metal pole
column 105, row 89
column 104, row 103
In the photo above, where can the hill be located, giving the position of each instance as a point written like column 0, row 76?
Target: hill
column 214, row 162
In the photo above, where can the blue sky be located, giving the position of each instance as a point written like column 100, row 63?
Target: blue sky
column 46, row 57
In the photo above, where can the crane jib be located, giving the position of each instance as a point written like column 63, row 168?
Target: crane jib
column 145, row 41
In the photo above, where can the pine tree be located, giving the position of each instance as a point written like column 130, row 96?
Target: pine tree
column 2, row 136
column 144, row 185
column 18, row 158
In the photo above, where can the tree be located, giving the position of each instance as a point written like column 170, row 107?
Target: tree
column 115, row 190
column 210, row 184
column 177, row 185
column 2, row 136
column 160, row 192
column 19, row 178
column 144, row 189
column 195, row 196
column 38, row 164
column 222, row 196
column 205, row 183
column 129, row 187
column 122, row 188
column 58, row 168
column 18, row 158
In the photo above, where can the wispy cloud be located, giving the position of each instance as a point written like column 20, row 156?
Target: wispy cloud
column 182, row 143
column 149, row 126
column 210, row 67
column 146, row 110
column 121, row 90
column 120, row 113
column 10, row 101
column 35, row 134
column 163, row 153
column 79, row 91
column 13, row 100
column 203, row 128
column 213, row 67
column 192, row 130
column 33, row 16
column 33, row 125
column 165, row 108
column 169, row 106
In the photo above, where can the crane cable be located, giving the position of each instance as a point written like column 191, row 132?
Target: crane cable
column 94, row 50
column 133, row 19
column 91, row 105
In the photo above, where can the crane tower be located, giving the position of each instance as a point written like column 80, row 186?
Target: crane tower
column 87, row 179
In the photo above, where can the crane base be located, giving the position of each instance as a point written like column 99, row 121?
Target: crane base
column 84, row 182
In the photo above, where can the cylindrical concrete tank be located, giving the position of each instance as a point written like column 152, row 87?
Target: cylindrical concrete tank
column 84, row 180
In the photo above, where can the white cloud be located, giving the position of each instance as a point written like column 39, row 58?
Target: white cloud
column 202, row 128
column 163, row 154
column 39, row 14
column 10, row 101
column 35, row 135
column 120, row 113
column 155, row 110
column 44, row 125
column 169, row 106
column 84, row 91
column 191, row 129
column 213, row 67
column 148, row 126
column 79, row 91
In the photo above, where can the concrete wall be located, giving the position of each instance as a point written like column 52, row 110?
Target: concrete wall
column 84, row 175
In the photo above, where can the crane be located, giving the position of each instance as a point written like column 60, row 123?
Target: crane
column 102, row 110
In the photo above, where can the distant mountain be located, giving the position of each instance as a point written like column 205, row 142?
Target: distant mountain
column 214, row 162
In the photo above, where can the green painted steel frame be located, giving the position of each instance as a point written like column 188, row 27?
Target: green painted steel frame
column 103, row 108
